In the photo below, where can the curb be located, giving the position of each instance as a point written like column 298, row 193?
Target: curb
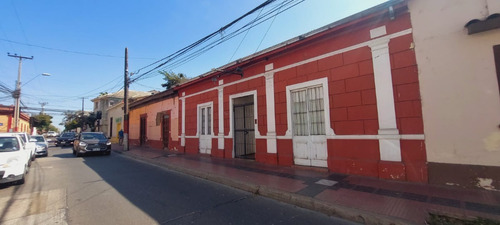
column 327, row 208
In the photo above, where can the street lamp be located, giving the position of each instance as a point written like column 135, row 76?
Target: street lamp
column 43, row 74
column 17, row 95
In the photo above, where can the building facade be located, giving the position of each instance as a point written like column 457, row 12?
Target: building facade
column 115, row 121
column 7, row 120
column 103, row 102
column 154, row 121
column 344, row 97
column 457, row 46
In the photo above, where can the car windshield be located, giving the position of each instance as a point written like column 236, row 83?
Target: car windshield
column 87, row 136
column 8, row 144
column 38, row 138
column 68, row 135
column 23, row 137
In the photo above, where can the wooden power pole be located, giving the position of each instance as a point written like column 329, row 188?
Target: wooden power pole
column 125, row 105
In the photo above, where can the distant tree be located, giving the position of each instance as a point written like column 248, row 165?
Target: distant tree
column 53, row 128
column 42, row 122
column 103, row 93
column 75, row 120
column 172, row 78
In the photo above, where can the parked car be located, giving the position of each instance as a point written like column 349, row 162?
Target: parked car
column 66, row 139
column 25, row 138
column 42, row 146
column 52, row 134
column 91, row 142
column 15, row 159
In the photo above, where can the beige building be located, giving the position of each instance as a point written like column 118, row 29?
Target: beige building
column 104, row 102
column 115, row 121
column 457, row 44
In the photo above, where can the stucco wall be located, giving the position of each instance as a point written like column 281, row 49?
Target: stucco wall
column 459, row 90
column 4, row 120
column 153, row 131
column 116, row 114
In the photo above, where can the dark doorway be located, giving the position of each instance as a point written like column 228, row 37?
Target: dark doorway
column 244, row 128
column 165, row 127
column 142, row 134
column 110, row 127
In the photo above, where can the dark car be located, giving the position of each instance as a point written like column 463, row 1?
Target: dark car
column 87, row 142
column 66, row 139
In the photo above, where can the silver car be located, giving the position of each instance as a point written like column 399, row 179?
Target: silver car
column 42, row 146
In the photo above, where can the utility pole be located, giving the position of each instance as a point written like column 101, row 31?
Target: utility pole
column 17, row 92
column 43, row 104
column 125, row 105
column 83, row 122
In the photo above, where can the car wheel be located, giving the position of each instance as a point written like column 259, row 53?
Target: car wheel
column 33, row 157
column 23, row 179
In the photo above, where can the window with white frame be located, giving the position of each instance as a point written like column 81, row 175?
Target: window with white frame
column 308, row 111
column 205, row 120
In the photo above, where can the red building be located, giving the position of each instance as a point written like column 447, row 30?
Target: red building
column 343, row 97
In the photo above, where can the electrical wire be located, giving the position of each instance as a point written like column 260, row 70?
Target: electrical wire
column 241, row 42
column 197, row 43
column 268, row 28
column 217, row 42
column 69, row 51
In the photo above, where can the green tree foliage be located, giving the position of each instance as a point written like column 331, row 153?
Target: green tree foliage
column 42, row 122
column 75, row 120
column 172, row 78
column 53, row 128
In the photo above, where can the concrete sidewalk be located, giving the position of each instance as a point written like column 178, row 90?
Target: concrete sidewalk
column 360, row 199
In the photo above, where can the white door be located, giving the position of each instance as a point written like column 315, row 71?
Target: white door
column 205, row 129
column 308, row 123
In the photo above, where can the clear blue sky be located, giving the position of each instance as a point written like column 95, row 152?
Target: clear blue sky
column 81, row 43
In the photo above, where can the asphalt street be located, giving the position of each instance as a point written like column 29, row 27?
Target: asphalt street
column 96, row 189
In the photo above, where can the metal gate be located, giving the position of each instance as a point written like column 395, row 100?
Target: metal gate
column 244, row 131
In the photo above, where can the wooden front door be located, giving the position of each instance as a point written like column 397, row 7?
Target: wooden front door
column 309, row 140
column 205, row 129
column 165, row 127
column 142, row 131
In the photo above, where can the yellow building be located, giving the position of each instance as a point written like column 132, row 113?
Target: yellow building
column 7, row 120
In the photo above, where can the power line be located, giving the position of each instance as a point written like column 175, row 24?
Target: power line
column 67, row 51
column 195, row 54
column 197, row 43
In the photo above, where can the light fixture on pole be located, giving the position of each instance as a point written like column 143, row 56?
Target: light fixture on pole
column 17, row 96
column 42, row 74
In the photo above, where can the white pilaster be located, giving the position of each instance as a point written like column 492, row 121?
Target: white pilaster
column 221, row 117
column 389, row 142
column 183, row 120
column 271, row 116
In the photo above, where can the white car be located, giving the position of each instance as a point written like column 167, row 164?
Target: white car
column 15, row 159
column 31, row 146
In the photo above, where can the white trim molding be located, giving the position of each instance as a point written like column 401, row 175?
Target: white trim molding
column 326, row 101
column 270, row 112
column 389, row 141
column 220, row 102
column 231, row 116
column 183, row 121
column 198, row 122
